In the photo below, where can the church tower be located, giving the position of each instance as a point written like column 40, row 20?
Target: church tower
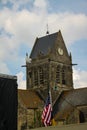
column 50, row 65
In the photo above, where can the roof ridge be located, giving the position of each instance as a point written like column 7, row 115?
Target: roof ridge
column 48, row 35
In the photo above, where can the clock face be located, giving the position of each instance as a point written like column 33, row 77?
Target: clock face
column 60, row 51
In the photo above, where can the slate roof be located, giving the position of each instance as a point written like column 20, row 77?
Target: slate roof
column 43, row 44
column 70, row 99
column 29, row 98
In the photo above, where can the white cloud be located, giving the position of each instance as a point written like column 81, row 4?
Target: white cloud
column 40, row 6
column 16, row 3
column 8, row 49
column 21, row 81
column 80, row 78
column 73, row 26
column 4, row 68
column 26, row 25
column 40, row 3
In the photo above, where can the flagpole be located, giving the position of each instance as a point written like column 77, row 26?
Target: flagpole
column 53, row 123
column 49, row 84
column 49, row 89
column 50, row 96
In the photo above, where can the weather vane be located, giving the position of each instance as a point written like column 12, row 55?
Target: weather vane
column 47, row 30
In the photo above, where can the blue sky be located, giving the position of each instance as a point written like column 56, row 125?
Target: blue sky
column 21, row 21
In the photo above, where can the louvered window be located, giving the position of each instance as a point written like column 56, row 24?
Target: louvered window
column 35, row 77
column 41, row 75
column 58, row 74
column 63, row 76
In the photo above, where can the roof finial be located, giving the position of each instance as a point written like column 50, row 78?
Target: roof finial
column 47, row 30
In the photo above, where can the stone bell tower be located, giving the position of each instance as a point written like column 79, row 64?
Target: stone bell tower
column 50, row 65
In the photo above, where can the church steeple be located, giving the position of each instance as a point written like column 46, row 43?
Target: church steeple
column 56, row 72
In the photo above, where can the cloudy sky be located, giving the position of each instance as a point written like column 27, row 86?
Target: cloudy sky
column 21, row 21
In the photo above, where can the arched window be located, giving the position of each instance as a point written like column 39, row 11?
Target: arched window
column 41, row 75
column 35, row 77
column 46, row 75
column 63, row 76
column 58, row 74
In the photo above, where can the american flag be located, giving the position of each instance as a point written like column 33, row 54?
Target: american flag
column 47, row 111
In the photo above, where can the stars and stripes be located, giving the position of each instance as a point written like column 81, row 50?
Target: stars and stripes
column 47, row 111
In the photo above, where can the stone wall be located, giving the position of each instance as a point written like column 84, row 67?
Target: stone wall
column 73, row 117
column 22, row 116
column 28, row 119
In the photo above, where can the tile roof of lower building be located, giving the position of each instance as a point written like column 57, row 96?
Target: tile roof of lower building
column 69, row 100
column 29, row 98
